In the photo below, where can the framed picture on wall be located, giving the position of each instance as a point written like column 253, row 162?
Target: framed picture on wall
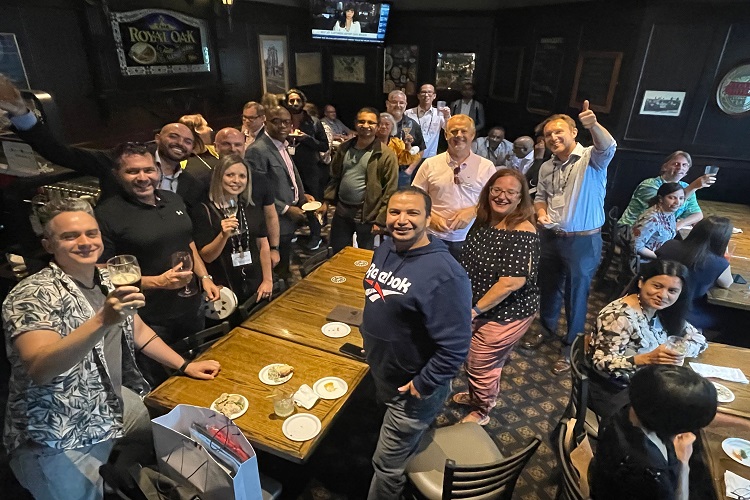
column 453, row 69
column 506, row 74
column 348, row 69
column 308, row 68
column 662, row 103
column 596, row 80
column 400, row 68
column 274, row 63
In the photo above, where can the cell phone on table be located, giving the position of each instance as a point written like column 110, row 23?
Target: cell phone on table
column 353, row 351
column 739, row 279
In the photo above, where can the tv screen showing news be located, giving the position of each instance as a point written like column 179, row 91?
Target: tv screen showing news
column 349, row 21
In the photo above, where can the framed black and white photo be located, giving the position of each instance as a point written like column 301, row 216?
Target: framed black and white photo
column 274, row 63
column 662, row 103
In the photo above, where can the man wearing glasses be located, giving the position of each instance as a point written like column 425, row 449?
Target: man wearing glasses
column 431, row 120
column 454, row 180
column 409, row 131
column 253, row 120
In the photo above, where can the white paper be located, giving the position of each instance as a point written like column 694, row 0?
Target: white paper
column 722, row 372
column 736, row 230
column 734, row 482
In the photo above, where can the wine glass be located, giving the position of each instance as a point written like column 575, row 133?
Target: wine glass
column 185, row 262
column 124, row 271
column 405, row 130
column 230, row 210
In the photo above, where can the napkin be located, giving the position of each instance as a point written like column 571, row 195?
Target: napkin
column 736, row 230
column 722, row 372
column 305, row 397
column 734, row 483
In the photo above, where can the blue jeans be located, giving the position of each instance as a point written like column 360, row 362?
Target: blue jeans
column 566, row 268
column 405, row 422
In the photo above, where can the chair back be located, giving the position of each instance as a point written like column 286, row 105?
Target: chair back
column 495, row 480
column 314, row 261
column 193, row 345
column 610, row 225
column 251, row 305
column 570, row 481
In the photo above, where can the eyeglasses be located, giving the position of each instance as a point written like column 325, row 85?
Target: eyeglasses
column 496, row 191
column 250, row 118
column 280, row 122
column 456, row 178
column 427, row 92
column 742, row 493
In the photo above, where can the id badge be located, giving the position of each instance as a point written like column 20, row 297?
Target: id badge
column 557, row 202
column 291, row 150
column 240, row 259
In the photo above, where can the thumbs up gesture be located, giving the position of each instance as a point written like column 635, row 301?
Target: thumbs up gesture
column 587, row 117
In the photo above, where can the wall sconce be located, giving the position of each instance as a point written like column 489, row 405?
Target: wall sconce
column 228, row 4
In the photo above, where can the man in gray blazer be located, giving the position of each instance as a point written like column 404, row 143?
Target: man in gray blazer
column 269, row 156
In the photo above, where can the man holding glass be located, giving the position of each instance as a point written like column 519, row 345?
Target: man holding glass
column 153, row 224
column 409, row 131
column 75, row 388
column 431, row 120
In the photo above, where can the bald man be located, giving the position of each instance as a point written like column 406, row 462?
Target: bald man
column 523, row 154
column 174, row 144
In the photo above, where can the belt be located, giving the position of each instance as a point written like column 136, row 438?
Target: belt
column 565, row 234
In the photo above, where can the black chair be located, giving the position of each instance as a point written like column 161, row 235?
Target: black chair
column 315, row 261
column 569, row 488
column 191, row 346
column 612, row 240
column 586, row 419
column 250, row 306
column 462, row 461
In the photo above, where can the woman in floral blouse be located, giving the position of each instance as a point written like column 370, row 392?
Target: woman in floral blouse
column 631, row 331
column 657, row 224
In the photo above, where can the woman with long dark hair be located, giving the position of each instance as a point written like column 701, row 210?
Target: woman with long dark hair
column 703, row 252
column 657, row 224
column 501, row 256
column 349, row 22
column 230, row 232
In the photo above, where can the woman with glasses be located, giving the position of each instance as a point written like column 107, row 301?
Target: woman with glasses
column 501, row 256
column 230, row 233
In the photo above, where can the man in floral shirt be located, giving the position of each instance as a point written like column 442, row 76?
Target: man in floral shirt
column 71, row 340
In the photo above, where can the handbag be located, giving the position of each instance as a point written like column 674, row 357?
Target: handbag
column 219, row 461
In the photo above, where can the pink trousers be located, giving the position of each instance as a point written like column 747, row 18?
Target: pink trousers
column 491, row 345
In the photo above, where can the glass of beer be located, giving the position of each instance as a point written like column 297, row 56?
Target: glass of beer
column 124, row 271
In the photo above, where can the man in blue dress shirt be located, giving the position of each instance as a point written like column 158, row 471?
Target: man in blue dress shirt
column 569, row 204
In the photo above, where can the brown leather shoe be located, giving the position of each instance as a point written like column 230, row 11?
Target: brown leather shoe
column 562, row 365
column 532, row 341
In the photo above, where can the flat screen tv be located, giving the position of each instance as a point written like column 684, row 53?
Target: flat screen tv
column 349, row 21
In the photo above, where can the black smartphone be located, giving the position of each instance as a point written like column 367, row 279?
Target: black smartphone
column 739, row 279
column 353, row 351
column 345, row 314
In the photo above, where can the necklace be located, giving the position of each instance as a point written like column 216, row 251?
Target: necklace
column 640, row 304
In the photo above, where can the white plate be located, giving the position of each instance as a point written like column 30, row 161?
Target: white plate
column 338, row 279
column 301, row 427
column 361, row 263
column 726, row 397
column 311, row 206
column 340, row 388
column 336, row 330
column 730, row 445
column 232, row 416
column 263, row 375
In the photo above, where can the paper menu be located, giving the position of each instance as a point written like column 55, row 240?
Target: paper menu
column 722, row 372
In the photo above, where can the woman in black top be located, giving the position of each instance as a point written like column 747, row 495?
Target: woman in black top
column 235, row 248
column 501, row 256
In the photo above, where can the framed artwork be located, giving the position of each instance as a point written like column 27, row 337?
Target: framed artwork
column 400, row 68
column 662, row 103
column 308, row 68
column 11, row 63
column 549, row 55
column 453, row 69
column 274, row 67
column 596, row 80
column 506, row 74
column 348, row 69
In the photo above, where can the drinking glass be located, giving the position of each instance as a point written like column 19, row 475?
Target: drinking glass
column 124, row 271
column 283, row 403
column 405, row 130
column 711, row 170
column 440, row 105
column 230, row 210
column 678, row 345
column 185, row 261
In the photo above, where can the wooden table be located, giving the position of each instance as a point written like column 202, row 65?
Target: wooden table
column 733, row 419
column 300, row 312
column 242, row 354
column 737, row 296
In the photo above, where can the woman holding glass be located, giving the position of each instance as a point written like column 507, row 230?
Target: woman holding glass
column 230, row 232
column 501, row 256
column 634, row 331
column 658, row 223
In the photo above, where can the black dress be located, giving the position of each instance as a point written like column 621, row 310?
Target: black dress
column 243, row 280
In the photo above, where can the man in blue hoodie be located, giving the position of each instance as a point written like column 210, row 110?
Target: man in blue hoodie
column 416, row 329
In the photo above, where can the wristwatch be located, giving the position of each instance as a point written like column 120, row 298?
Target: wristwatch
column 207, row 277
column 275, row 247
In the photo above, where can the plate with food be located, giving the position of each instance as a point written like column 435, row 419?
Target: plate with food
column 230, row 405
column 311, row 206
column 143, row 53
column 723, row 394
column 336, row 330
column 330, row 388
column 301, row 427
column 737, row 449
column 276, row 374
